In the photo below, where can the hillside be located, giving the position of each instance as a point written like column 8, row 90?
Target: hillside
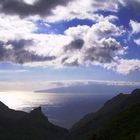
column 88, row 125
column 125, row 126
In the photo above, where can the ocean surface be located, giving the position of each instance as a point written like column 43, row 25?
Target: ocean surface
column 63, row 109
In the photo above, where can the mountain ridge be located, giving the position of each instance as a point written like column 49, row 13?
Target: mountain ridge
column 93, row 121
column 15, row 125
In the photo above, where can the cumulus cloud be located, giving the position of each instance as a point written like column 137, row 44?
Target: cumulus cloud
column 135, row 30
column 104, row 51
column 126, row 66
column 96, row 31
column 93, row 45
column 135, row 26
column 13, row 28
column 81, row 45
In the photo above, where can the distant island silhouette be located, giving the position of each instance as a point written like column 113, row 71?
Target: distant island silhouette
column 118, row 119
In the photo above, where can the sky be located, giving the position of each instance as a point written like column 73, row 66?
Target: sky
column 68, row 40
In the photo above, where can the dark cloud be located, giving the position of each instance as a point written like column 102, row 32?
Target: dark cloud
column 79, row 52
column 19, row 44
column 104, row 53
column 41, row 7
column 18, row 54
column 75, row 45
column 64, row 59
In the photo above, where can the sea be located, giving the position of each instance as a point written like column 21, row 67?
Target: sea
column 63, row 109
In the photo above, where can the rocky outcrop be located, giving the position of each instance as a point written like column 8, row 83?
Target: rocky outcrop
column 19, row 125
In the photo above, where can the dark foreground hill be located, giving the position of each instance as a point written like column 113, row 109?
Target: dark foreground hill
column 125, row 126
column 88, row 125
column 18, row 125
column 118, row 119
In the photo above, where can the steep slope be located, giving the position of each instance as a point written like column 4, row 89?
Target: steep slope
column 125, row 126
column 18, row 125
column 85, row 128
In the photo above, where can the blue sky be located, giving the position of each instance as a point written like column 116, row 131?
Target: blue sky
column 71, row 40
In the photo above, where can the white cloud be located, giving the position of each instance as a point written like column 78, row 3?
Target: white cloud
column 135, row 26
column 126, row 66
column 12, row 27
column 8, row 47
column 79, row 31
column 137, row 41
column 99, row 46
column 48, row 45
column 123, row 66
column 81, row 45
column 135, row 30
column 83, row 9
column 102, row 29
column 30, row 2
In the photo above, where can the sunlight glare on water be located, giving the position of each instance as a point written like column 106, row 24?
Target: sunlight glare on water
column 19, row 100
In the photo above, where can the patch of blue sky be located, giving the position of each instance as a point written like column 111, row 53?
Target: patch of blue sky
column 124, row 14
column 133, row 51
column 60, row 27
column 9, row 66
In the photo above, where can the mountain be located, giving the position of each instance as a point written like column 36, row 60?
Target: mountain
column 88, row 125
column 19, row 125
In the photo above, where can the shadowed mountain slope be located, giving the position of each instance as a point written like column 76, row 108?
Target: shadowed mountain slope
column 85, row 128
column 18, row 125
column 124, row 126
